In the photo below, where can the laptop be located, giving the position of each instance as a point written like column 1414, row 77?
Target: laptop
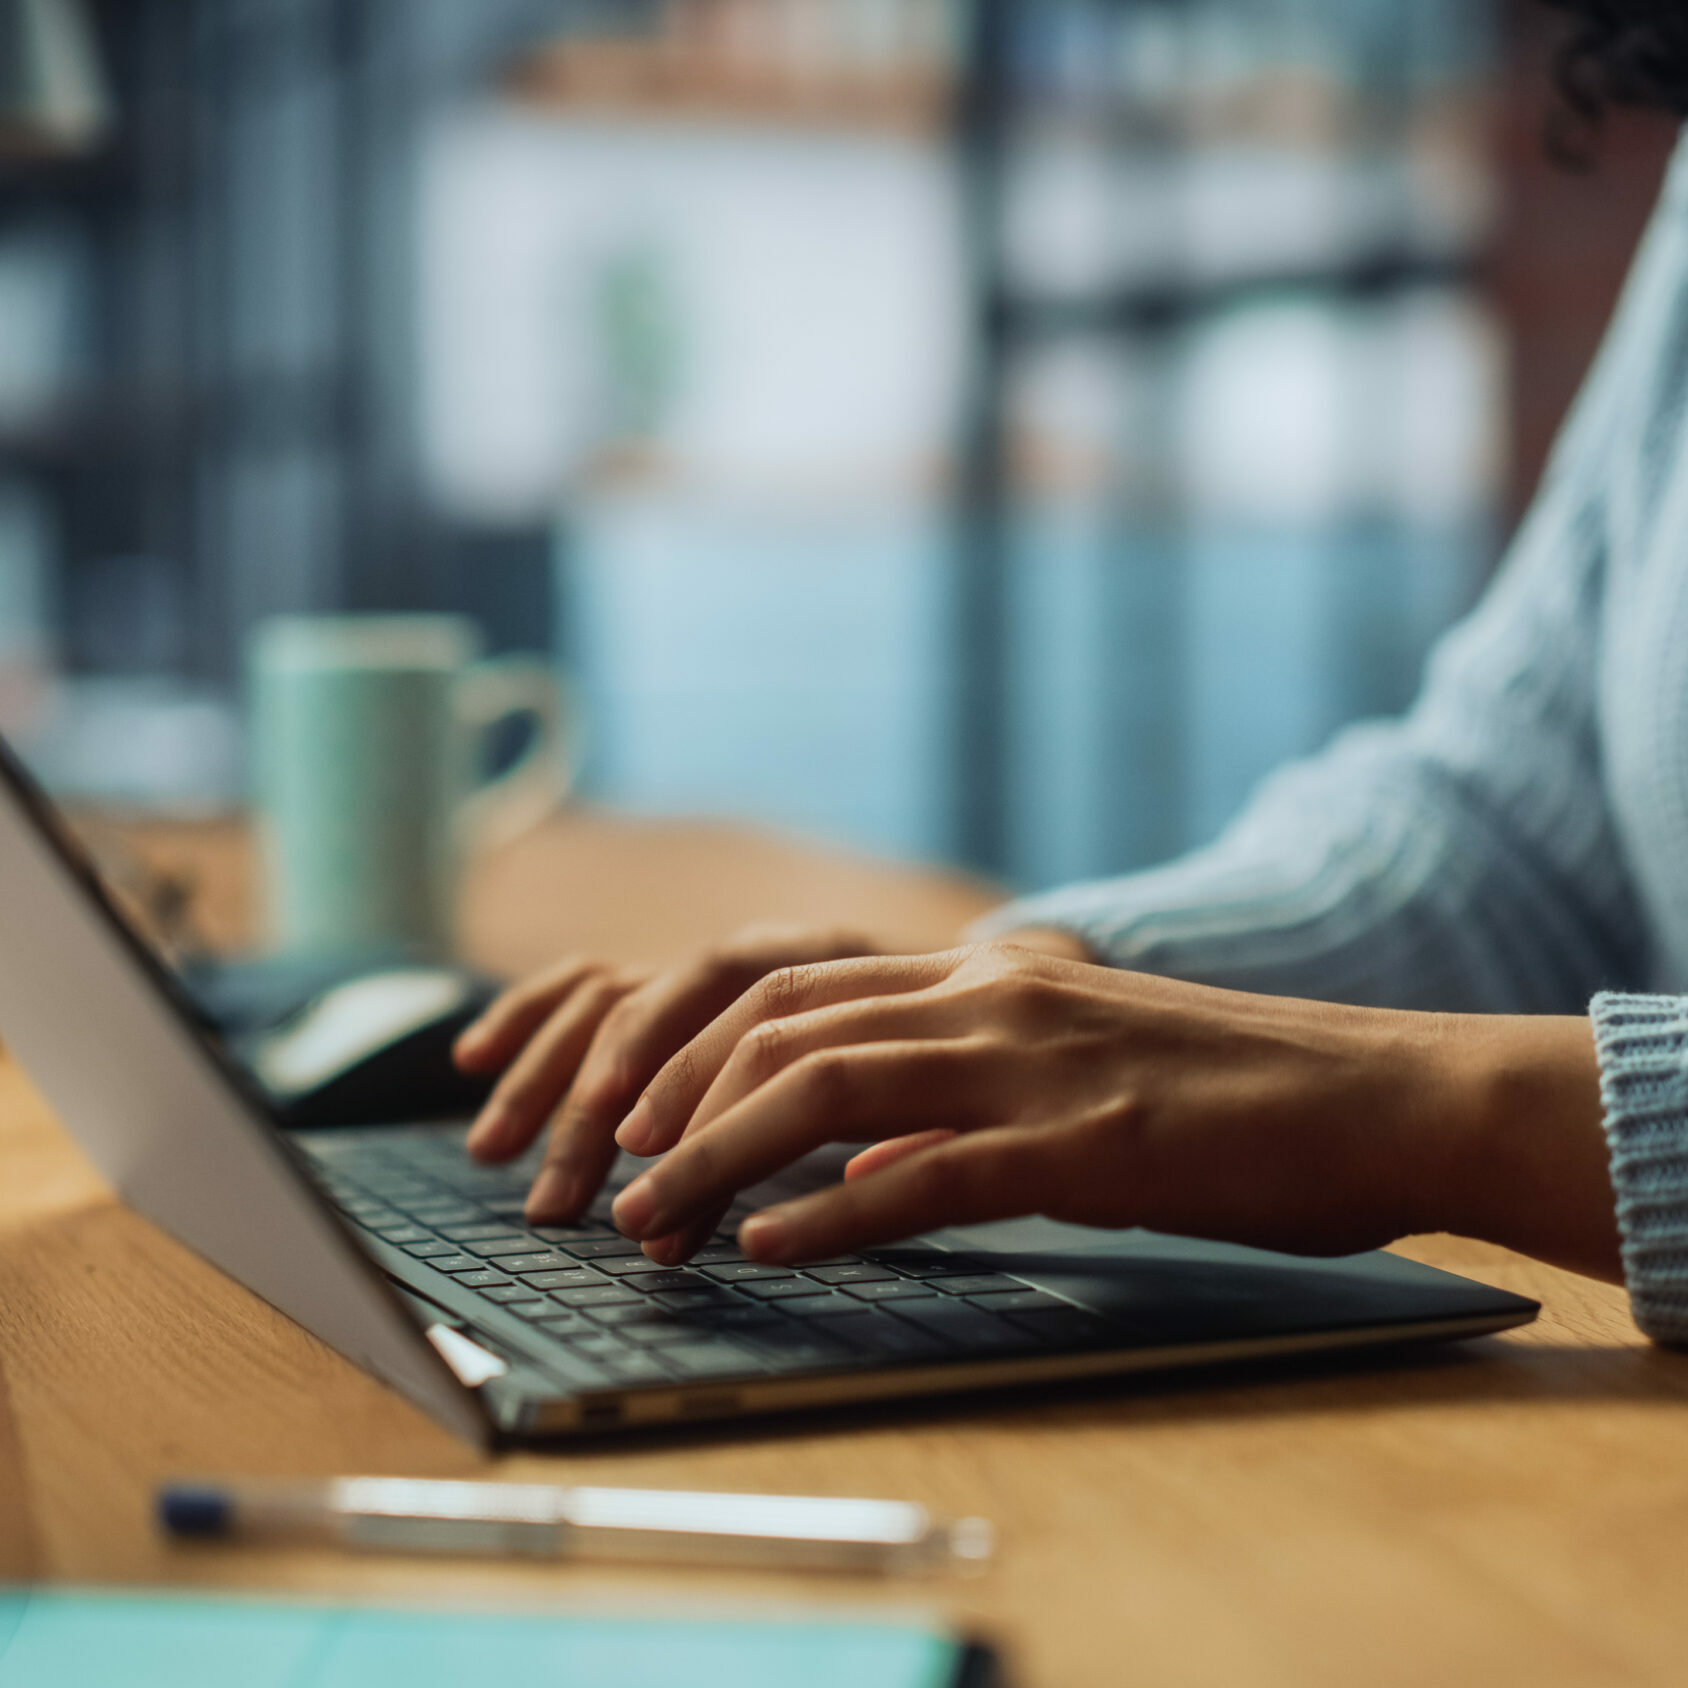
column 390, row 1245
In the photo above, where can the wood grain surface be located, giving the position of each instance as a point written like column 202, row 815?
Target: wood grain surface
column 1514, row 1511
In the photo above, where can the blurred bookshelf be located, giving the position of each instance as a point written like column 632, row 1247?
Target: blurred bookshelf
column 833, row 64
column 993, row 429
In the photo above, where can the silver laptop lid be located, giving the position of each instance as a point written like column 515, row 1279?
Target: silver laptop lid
column 180, row 1133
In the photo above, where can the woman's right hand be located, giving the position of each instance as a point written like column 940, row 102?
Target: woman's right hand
column 577, row 1044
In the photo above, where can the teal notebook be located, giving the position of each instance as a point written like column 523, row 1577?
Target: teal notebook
column 64, row 1639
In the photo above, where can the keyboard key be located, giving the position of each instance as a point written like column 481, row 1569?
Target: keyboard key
column 577, row 1278
column 523, row 1264
column 881, row 1335
column 705, row 1295
column 378, row 1224
column 505, row 1291
column 625, row 1313
column 602, row 1295
column 925, row 1262
column 817, row 1304
column 621, row 1266
column 703, row 1360
column 634, row 1365
column 790, row 1344
column 405, row 1234
column 445, row 1213
column 1068, row 1325
column 486, row 1280
column 860, row 1273
column 745, row 1271
column 474, row 1233
column 672, row 1277
column 966, row 1325
column 568, row 1233
column 455, row 1263
column 560, row 1323
column 397, row 1190
column 367, row 1211
column 728, row 1314
column 599, row 1345
column 660, row 1334
column 892, row 1289
column 982, row 1283
column 602, row 1248
column 535, row 1309
column 718, row 1254
column 430, row 1251
column 1021, row 1300
column 783, row 1289
column 506, row 1242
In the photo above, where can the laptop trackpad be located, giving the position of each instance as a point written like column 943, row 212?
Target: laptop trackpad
column 1178, row 1289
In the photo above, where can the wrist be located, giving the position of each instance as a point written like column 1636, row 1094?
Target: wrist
column 1525, row 1161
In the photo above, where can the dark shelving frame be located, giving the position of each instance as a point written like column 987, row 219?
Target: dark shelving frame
column 1007, row 321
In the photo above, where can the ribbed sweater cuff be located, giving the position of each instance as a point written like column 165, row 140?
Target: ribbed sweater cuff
column 1642, row 1042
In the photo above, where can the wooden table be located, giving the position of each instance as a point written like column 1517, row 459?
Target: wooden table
column 1513, row 1512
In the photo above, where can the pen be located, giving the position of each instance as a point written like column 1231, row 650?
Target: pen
column 781, row 1532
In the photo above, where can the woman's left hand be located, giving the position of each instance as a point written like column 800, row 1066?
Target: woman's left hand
column 993, row 1082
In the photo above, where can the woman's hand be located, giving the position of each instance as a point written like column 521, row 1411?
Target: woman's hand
column 993, row 1082
column 581, row 1040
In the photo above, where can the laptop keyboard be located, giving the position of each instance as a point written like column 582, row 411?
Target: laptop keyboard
column 625, row 1320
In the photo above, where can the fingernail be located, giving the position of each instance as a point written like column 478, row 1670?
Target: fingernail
column 764, row 1236
column 554, row 1195
column 634, row 1134
column 635, row 1208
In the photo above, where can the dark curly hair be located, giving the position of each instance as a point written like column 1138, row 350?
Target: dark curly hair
column 1622, row 52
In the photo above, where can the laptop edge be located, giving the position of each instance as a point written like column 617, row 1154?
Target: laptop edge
column 171, row 1122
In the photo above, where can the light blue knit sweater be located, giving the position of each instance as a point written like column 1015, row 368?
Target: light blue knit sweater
column 1518, row 843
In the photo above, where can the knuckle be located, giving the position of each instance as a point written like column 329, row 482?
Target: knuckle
column 989, row 958
column 762, row 1049
column 783, row 992
column 825, row 1079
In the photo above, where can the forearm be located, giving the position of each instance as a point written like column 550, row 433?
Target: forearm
column 1508, row 1143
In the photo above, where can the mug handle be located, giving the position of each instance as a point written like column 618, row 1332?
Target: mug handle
column 516, row 801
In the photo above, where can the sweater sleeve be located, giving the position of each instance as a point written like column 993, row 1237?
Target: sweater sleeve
column 1462, row 858
column 1465, row 856
column 1643, row 1047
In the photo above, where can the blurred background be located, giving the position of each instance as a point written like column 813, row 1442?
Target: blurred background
column 995, row 431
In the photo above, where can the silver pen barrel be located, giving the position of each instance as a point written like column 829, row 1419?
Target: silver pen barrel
column 781, row 1532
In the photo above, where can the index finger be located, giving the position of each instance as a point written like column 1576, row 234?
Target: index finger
column 502, row 1029
column 660, row 1117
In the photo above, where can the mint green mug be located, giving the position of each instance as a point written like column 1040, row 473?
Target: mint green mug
column 368, row 737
